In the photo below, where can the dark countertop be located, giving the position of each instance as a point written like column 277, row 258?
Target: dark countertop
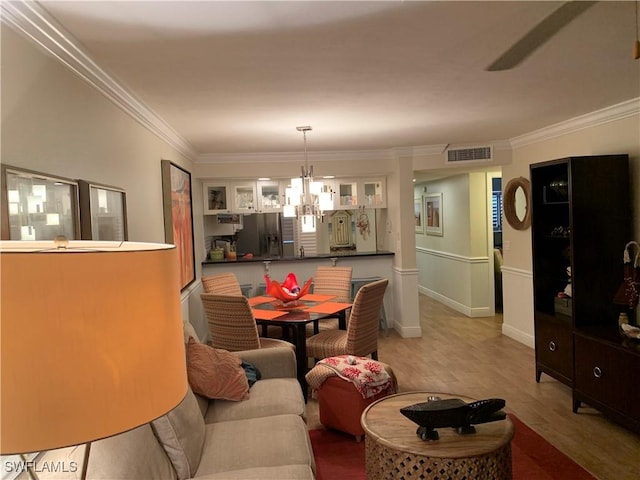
column 300, row 259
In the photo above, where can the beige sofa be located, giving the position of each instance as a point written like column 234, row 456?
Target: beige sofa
column 262, row 438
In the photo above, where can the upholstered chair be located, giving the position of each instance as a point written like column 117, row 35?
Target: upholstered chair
column 361, row 336
column 330, row 280
column 227, row 284
column 232, row 325
column 222, row 284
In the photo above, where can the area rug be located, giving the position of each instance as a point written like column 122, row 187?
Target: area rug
column 339, row 456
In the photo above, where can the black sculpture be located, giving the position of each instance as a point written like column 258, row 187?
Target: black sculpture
column 453, row 413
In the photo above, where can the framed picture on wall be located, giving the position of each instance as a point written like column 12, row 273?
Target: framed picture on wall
column 103, row 212
column 418, row 215
column 433, row 213
column 178, row 218
column 38, row 206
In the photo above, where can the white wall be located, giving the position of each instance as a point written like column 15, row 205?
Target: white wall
column 617, row 135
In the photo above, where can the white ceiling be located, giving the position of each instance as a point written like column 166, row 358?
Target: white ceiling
column 238, row 77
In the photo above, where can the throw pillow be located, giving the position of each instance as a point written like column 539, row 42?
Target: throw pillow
column 215, row 373
column 181, row 433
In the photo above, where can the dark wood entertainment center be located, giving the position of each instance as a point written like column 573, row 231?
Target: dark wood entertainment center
column 581, row 219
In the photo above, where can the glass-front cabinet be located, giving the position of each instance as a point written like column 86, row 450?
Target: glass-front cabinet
column 360, row 193
column 231, row 197
column 38, row 206
column 216, row 198
column 346, row 194
column 372, row 193
column 270, row 196
column 244, row 197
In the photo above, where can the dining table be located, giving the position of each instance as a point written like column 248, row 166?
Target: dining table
column 295, row 316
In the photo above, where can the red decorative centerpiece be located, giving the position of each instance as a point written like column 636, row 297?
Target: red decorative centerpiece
column 289, row 292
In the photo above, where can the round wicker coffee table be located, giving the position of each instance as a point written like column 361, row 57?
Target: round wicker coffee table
column 393, row 450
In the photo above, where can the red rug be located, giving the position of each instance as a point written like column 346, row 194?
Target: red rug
column 339, row 456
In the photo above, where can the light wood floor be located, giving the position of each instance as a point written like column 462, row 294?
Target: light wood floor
column 471, row 357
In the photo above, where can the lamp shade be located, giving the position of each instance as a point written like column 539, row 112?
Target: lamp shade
column 91, row 341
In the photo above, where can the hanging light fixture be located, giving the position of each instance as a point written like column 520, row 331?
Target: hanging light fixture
column 307, row 199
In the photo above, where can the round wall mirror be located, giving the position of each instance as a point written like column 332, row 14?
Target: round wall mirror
column 517, row 195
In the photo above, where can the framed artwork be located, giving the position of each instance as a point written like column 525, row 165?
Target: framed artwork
column 418, row 215
column 103, row 212
column 38, row 206
column 433, row 213
column 178, row 218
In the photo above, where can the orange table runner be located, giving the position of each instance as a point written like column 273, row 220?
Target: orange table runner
column 328, row 307
column 267, row 314
column 317, row 297
column 259, row 300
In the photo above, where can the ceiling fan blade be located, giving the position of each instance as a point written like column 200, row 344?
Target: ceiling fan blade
column 539, row 35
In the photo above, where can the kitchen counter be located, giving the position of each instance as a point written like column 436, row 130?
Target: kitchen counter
column 342, row 254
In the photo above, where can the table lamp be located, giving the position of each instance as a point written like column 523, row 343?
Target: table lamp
column 91, row 341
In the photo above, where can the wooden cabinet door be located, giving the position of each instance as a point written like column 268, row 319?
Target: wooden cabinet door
column 554, row 348
column 606, row 374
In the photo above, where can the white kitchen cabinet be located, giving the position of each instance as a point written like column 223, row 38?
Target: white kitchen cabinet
column 372, row 193
column 346, row 194
column 360, row 193
column 270, row 195
column 244, row 199
column 216, row 198
column 229, row 197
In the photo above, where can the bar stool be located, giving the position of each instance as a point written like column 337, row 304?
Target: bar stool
column 356, row 283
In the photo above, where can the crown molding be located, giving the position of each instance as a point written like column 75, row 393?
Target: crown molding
column 419, row 150
column 295, row 157
column 31, row 20
column 342, row 155
column 599, row 117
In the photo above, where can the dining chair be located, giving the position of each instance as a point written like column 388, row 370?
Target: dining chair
column 330, row 280
column 356, row 284
column 361, row 336
column 232, row 325
column 227, row 284
column 222, row 284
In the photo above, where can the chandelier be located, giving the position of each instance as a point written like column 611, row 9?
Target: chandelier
column 307, row 199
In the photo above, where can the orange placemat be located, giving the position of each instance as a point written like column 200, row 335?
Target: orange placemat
column 317, row 297
column 267, row 314
column 259, row 300
column 328, row 307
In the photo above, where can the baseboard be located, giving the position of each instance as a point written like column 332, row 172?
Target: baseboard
column 457, row 306
column 407, row 332
column 518, row 335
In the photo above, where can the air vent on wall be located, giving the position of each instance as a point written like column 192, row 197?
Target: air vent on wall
column 468, row 154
